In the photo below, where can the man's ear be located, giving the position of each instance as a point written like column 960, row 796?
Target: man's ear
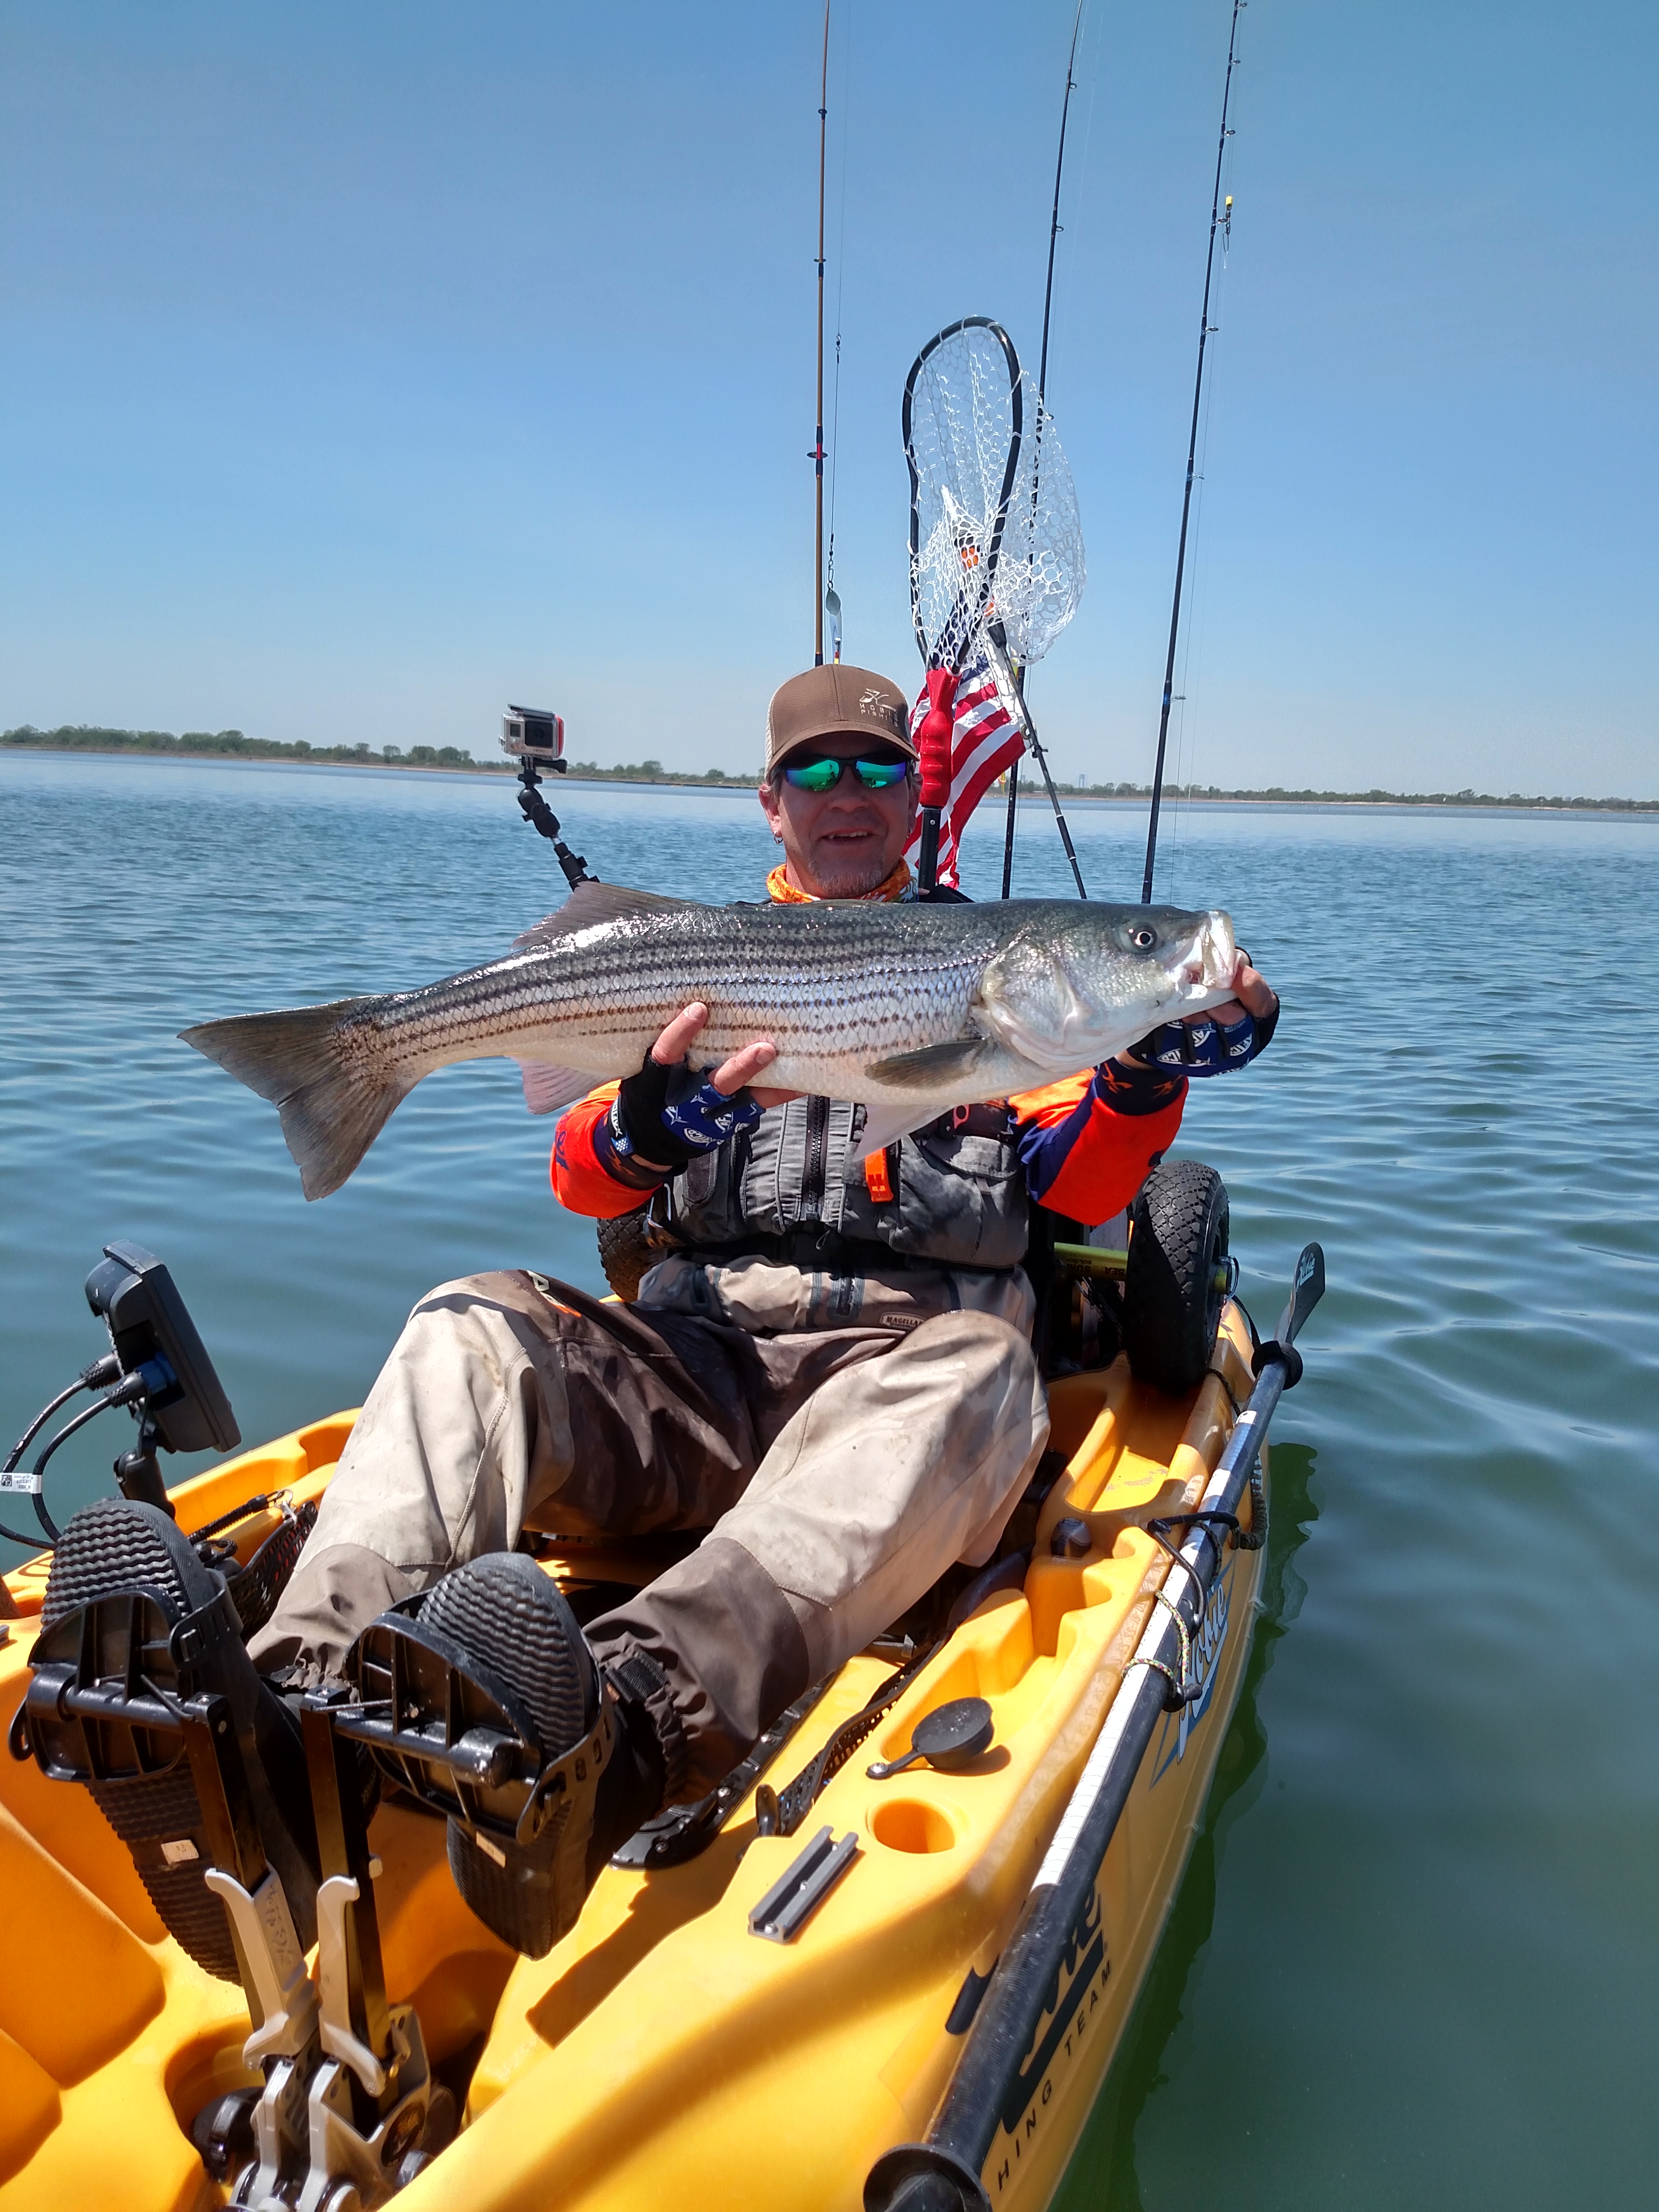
column 769, row 807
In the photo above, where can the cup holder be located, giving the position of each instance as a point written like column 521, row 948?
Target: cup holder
column 906, row 1824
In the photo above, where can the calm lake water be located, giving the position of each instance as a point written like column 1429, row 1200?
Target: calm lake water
column 1414, row 1960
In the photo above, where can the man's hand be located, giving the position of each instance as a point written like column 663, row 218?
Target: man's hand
column 1252, row 995
column 1222, row 1037
column 666, row 1134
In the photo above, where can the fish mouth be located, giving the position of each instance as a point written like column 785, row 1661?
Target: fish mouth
column 1212, row 958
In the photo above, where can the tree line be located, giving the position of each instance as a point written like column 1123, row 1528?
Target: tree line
column 234, row 744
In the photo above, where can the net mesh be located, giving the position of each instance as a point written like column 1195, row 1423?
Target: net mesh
column 1040, row 570
column 961, row 427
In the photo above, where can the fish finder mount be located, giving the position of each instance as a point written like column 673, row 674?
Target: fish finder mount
column 156, row 1367
column 180, row 1403
column 534, row 736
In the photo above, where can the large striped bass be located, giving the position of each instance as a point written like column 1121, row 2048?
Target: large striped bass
column 909, row 1009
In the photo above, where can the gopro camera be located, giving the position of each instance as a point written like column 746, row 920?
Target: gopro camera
column 534, row 734
column 150, row 1330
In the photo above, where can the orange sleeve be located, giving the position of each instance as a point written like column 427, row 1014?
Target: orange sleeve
column 581, row 1181
column 1088, row 1143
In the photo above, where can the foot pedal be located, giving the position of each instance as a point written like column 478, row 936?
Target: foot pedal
column 348, row 2099
column 455, row 1736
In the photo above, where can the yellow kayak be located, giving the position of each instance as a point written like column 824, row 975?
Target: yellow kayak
column 858, row 1991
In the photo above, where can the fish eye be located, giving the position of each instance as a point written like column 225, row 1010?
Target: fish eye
column 1143, row 938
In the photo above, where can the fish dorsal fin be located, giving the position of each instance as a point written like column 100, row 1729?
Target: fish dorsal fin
column 591, row 902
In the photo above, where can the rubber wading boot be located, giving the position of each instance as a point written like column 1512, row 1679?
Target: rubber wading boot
column 118, row 1547
column 504, row 1617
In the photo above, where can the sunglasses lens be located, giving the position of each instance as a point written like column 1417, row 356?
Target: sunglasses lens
column 882, row 775
column 814, row 775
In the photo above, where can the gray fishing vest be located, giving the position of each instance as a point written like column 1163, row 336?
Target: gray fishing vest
column 786, row 1189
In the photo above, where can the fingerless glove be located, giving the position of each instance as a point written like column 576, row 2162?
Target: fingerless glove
column 1204, row 1048
column 669, row 1116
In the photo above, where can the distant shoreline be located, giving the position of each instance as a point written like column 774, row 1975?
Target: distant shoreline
column 231, row 746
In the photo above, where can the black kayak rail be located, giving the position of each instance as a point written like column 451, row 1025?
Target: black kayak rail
column 998, row 2072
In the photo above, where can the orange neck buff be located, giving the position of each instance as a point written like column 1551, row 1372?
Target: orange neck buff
column 782, row 892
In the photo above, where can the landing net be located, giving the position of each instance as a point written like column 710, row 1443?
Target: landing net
column 995, row 532
column 963, row 409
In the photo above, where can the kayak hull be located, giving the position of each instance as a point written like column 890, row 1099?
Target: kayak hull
column 663, row 2051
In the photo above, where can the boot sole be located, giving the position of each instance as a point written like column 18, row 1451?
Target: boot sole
column 116, row 1545
column 506, row 1615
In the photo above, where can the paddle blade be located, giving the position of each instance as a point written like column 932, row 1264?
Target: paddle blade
column 1307, row 1288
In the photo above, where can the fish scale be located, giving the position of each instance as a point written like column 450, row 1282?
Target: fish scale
column 907, row 1009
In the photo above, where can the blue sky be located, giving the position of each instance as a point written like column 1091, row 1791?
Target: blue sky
column 365, row 367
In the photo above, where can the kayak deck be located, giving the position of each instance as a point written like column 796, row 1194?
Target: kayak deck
column 662, row 2051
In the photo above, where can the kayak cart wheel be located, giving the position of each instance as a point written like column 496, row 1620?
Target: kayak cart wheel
column 625, row 1252
column 1178, row 1275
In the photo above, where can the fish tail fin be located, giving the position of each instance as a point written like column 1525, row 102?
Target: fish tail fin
column 334, row 1101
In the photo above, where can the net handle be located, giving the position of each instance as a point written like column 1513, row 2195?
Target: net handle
column 1017, row 409
column 934, row 743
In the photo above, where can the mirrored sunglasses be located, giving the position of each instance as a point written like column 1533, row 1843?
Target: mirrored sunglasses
column 823, row 775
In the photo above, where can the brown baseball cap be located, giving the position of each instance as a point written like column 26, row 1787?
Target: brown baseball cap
column 837, row 701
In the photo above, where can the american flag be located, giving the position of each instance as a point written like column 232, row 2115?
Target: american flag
column 985, row 741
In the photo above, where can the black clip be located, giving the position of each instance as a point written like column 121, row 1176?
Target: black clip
column 1285, row 1355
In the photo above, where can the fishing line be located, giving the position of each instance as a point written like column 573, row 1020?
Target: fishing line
column 817, row 454
column 1198, row 593
column 1042, row 385
column 831, row 596
column 1205, row 328
column 1082, row 184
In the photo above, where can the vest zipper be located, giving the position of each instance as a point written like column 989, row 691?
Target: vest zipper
column 814, row 1160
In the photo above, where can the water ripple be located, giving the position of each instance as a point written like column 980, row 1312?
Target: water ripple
column 1412, row 1963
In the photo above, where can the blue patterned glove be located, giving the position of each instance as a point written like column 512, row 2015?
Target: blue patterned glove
column 665, row 1116
column 1204, row 1048
column 708, row 1117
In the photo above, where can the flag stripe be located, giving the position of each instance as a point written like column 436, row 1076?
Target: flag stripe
column 984, row 742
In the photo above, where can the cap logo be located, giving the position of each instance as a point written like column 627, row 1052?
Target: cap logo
column 871, row 702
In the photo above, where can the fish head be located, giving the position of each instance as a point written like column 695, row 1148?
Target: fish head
column 1080, row 981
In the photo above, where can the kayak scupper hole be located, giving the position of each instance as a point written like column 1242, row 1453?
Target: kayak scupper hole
column 910, row 1824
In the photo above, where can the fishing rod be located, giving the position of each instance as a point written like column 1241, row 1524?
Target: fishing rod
column 817, row 454
column 1203, row 328
column 1042, row 388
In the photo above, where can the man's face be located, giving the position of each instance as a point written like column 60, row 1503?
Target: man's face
column 842, row 843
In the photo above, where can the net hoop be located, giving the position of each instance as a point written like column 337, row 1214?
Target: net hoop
column 966, row 468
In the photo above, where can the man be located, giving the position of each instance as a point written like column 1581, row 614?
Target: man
column 828, row 1370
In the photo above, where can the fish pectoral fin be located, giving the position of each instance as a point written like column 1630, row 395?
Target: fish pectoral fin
column 591, row 902
column 884, row 1126
column 934, row 1068
column 549, row 1089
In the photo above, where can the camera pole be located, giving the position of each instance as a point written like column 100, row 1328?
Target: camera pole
column 540, row 816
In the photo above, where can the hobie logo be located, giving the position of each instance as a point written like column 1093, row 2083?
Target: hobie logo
column 1206, row 1665
column 871, row 704
column 1072, row 1996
